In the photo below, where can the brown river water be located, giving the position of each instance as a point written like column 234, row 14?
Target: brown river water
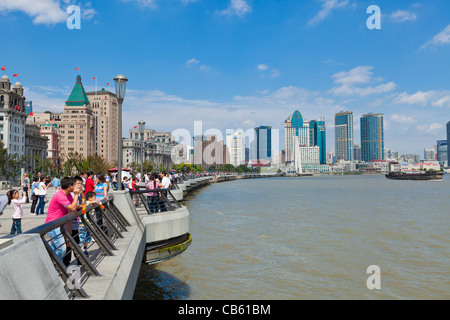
column 310, row 238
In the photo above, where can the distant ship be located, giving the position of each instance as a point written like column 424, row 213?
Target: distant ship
column 415, row 175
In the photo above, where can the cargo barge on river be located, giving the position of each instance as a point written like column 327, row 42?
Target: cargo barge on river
column 415, row 175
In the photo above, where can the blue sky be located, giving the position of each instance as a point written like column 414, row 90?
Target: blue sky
column 237, row 64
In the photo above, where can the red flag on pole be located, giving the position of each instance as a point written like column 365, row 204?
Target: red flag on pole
column 107, row 84
column 3, row 68
column 77, row 68
column 15, row 75
column 135, row 127
column 95, row 78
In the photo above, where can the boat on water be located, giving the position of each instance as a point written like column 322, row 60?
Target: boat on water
column 415, row 175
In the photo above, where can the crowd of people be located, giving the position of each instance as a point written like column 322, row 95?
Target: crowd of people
column 70, row 194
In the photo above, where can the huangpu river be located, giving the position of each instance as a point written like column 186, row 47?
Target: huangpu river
column 310, row 238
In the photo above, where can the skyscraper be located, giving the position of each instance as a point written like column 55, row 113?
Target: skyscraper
column 448, row 139
column 442, row 152
column 372, row 137
column 318, row 138
column 294, row 126
column 343, row 135
column 236, row 148
column 263, row 143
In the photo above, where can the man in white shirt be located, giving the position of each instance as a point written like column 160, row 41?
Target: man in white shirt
column 166, row 184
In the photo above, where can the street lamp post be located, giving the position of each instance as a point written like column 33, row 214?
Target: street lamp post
column 141, row 131
column 121, row 88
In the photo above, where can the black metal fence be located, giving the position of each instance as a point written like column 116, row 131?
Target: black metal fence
column 75, row 260
column 155, row 200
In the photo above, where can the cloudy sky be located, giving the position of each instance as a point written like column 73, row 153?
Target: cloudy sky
column 237, row 64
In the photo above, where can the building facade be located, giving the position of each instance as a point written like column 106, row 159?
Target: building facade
column 448, row 139
column 236, row 148
column 106, row 114
column 344, row 139
column 77, row 124
column 317, row 133
column 263, row 137
column 35, row 147
column 442, row 152
column 295, row 126
column 372, row 137
column 12, row 117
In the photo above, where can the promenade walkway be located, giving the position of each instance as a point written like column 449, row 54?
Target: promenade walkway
column 28, row 222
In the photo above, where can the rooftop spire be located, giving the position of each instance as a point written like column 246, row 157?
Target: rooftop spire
column 78, row 96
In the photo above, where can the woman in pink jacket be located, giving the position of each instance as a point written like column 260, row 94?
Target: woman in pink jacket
column 13, row 197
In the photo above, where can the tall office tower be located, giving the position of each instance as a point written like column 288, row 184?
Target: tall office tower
column 318, row 138
column 198, row 146
column 372, row 137
column 77, row 126
column 236, row 148
column 429, row 154
column 343, row 138
column 106, row 114
column 294, row 126
column 442, row 152
column 263, row 143
column 448, row 139
column 12, row 117
column 28, row 107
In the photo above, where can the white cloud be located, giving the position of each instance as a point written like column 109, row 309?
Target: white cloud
column 419, row 98
column 192, row 62
column 143, row 3
column 196, row 63
column 43, row 11
column 327, row 8
column 356, row 76
column 46, row 12
column 237, row 7
column 433, row 128
column 263, row 67
column 402, row 16
column 275, row 73
column 400, row 118
column 442, row 38
column 361, row 74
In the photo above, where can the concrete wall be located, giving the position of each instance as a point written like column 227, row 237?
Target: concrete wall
column 26, row 271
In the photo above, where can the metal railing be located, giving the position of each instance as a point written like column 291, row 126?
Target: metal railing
column 161, row 202
column 104, row 224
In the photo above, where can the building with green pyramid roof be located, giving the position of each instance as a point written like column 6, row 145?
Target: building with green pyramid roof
column 78, row 96
column 78, row 125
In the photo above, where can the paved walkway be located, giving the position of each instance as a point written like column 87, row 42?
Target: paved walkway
column 28, row 222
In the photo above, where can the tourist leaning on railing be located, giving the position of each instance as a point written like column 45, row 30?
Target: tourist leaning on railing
column 60, row 205
column 153, row 197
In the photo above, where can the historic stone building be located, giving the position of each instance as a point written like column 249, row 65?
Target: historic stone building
column 12, row 117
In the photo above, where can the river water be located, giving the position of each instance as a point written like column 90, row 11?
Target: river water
column 310, row 238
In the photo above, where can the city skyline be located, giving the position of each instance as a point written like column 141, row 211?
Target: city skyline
column 243, row 66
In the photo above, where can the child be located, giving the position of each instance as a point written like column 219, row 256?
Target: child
column 85, row 236
column 13, row 197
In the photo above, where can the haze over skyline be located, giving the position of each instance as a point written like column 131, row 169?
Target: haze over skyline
column 242, row 63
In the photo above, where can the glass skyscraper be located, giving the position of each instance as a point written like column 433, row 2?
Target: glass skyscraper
column 442, row 152
column 372, row 137
column 295, row 126
column 263, row 143
column 448, row 139
column 343, row 137
column 318, row 138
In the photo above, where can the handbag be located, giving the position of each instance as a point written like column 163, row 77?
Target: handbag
column 36, row 191
column 33, row 197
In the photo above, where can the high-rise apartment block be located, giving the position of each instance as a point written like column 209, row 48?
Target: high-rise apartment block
column 372, row 137
column 344, row 138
